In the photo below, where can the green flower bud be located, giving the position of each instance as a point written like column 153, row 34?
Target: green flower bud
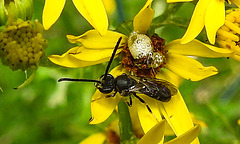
column 22, row 44
column 22, row 9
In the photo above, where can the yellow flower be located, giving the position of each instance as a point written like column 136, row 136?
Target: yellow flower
column 96, row 49
column 110, row 6
column 92, row 10
column 197, row 121
column 154, row 136
column 208, row 13
column 228, row 34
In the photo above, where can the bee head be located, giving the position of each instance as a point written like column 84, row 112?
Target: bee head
column 107, row 84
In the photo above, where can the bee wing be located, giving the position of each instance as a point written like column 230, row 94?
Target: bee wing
column 163, row 83
column 153, row 83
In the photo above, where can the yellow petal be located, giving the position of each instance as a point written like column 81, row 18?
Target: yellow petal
column 97, row 138
column 94, row 55
column 51, row 12
column 110, row 6
column 72, row 61
column 155, row 135
column 169, row 76
column 236, row 2
column 137, row 128
column 187, row 137
column 168, row 131
column 189, row 68
column 173, row 1
column 177, row 115
column 214, row 18
column 94, row 12
column 197, row 21
column 236, row 57
column 92, row 39
column 101, row 107
column 147, row 119
column 143, row 19
column 197, row 48
column 197, row 121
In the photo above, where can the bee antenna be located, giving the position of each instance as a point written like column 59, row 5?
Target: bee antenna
column 79, row 80
column 112, row 57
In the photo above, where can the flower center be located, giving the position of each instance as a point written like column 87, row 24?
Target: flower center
column 228, row 36
column 143, row 55
column 21, row 45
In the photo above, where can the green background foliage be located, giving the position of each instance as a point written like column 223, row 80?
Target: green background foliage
column 50, row 112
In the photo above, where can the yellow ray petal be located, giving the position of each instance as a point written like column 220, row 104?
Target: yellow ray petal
column 214, row 18
column 110, row 6
column 147, row 119
column 197, row 121
column 187, row 137
column 170, row 77
column 51, row 12
column 177, row 115
column 155, row 135
column 168, row 131
column 196, row 48
column 97, row 138
column 101, row 107
column 137, row 128
column 94, row 12
column 189, row 68
column 92, row 39
column 72, row 61
column 143, row 19
column 236, row 57
column 197, row 21
column 173, row 1
column 94, row 55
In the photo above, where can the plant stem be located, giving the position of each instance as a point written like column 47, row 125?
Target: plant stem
column 125, row 124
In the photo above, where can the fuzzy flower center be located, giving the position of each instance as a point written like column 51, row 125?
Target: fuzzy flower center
column 144, row 55
column 228, row 36
column 21, row 45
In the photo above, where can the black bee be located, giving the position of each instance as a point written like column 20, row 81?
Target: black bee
column 128, row 85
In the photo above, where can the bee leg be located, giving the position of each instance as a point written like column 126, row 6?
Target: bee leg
column 130, row 102
column 148, row 108
column 111, row 95
column 142, row 101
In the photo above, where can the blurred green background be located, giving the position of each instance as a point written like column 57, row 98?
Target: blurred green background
column 50, row 112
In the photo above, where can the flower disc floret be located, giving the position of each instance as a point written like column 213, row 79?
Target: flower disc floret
column 144, row 55
column 228, row 36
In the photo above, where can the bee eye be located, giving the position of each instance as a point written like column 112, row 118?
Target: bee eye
column 107, row 84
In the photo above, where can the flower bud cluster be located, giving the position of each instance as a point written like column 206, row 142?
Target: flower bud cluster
column 22, row 44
